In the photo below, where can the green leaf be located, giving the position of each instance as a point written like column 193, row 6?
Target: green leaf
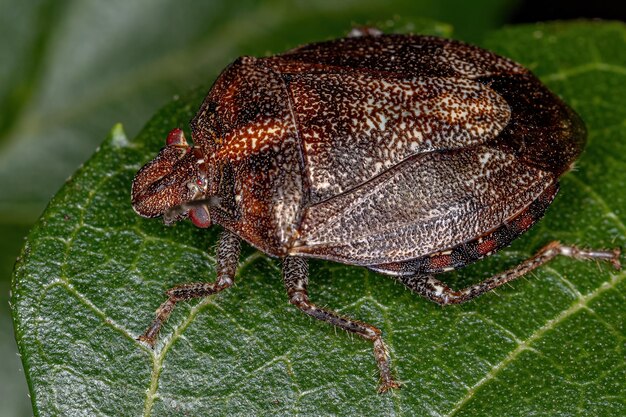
column 92, row 273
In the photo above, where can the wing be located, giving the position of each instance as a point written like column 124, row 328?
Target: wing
column 353, row 126
column 426, row 204
column 377, row 88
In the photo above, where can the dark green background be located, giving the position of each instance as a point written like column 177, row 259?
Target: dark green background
column 75, row 68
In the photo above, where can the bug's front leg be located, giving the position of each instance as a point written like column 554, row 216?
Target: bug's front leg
column 435, row 290
column 296, row 277
column 228, row 250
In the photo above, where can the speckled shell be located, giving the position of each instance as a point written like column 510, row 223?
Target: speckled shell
column 380, row 150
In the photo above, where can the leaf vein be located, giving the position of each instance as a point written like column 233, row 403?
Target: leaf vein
column 550, row 325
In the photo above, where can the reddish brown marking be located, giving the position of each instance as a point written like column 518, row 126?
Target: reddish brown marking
column 486, row 246
column 524, row 221
column 440, row 261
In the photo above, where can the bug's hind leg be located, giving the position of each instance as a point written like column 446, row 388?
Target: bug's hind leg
column 437, row 291
column 228, row 250
column 296, row 277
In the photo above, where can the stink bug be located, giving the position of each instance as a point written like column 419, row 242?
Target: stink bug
column 408, row 155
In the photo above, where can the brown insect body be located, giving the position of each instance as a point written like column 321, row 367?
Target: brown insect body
column 406, row 154
column 454, row 140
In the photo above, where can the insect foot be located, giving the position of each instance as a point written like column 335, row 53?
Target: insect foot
column 296, row 278
column 228, row 250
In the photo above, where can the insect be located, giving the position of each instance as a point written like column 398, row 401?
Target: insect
column 408, row 155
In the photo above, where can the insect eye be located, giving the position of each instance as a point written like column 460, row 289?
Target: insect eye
column 201, row 183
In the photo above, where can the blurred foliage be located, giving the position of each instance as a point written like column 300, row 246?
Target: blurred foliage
column 92, row 273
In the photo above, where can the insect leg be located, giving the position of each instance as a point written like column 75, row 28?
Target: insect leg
column 227, row 257
column 435, row 290
column 296, row 277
